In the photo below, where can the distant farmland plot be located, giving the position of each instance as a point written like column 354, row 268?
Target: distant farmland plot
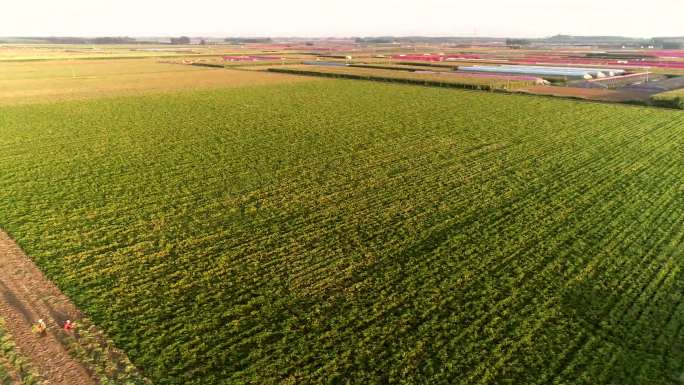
column 674, row 99
column 351, row 232
column 41, row 81
column 432, row 78
column 39, row 52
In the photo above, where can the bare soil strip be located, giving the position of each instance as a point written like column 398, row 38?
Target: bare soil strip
column 604, row 95
column 26, row 295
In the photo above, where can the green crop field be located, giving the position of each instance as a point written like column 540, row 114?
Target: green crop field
column 672, row 99
column 340, row 232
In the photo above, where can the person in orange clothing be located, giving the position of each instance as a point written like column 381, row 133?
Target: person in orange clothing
column 39, row 327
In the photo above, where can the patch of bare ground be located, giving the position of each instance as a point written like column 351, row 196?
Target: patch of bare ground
column 604, row 95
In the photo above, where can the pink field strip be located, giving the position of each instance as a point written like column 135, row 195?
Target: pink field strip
column 434, row 57
column 541, row 60
column 250, row 58
column 612, row 63
column 671, row 53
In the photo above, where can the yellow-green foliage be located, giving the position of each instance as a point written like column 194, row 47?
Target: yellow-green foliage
column 672, row 99
column 362, row 233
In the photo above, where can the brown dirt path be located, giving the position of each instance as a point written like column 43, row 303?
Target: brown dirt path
column 26, row 295
column 604, row 95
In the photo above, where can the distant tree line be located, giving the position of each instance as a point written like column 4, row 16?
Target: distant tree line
column 518, row 42
column 248, row 40
column 87, row 40
column 425, row 39
column 656, row 42
column 615, row 41
column 669, row 43
column 618, row 41
column 374, row 40
column 180, row 40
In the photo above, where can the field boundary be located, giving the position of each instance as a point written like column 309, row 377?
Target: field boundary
column 431, row 83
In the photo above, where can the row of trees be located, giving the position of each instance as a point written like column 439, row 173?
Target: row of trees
column 87, row 40
column 247, row 40
column 658, row 42
column 180, row 40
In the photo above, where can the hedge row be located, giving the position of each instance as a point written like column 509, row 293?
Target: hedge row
column 484, row 87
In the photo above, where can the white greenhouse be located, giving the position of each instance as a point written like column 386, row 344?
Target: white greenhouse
column 569, row 72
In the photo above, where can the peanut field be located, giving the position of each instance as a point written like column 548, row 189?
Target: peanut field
column 350, row 232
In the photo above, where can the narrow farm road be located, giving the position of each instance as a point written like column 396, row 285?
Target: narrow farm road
column 26, row 295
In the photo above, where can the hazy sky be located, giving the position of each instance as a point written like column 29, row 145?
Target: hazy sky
column 309, row 18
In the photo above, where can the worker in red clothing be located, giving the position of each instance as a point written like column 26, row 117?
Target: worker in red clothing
column 69, row 326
